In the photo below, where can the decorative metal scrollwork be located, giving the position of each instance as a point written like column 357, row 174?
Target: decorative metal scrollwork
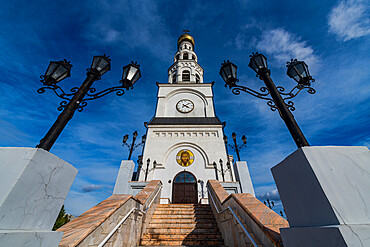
column 295, row 91
column 90, row 95
column 264, row 93
column 60, row 93
column 272, row 105
column 119, row 92
column 81, row 106
column 62, row 105
column 290, row 105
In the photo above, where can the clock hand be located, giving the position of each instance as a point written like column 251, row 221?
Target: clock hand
column 185, row 106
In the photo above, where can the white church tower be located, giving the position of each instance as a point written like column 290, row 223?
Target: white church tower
column 184, row 146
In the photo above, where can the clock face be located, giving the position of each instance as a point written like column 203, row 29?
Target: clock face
column 185, row 106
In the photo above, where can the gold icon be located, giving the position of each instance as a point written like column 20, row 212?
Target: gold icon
column 185, row 157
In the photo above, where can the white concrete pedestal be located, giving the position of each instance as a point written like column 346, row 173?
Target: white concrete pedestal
column 34, row 184
column 326, row 195
column 124, row 176
column 243, row 176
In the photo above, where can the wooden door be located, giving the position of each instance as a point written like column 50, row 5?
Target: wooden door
column 184, row 188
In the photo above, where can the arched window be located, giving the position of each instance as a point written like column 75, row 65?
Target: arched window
column 177, row 57
column 174, row 78
column 192, row 57
column 185, row 177
column 186, row 75
column 185, row 56
column 197, row 79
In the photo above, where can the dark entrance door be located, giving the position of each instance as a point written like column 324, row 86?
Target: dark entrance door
column 184, row 188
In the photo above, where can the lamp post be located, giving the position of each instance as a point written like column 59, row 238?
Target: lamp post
column 222, row 170
column 139, row 166
column 219, row 170
column 75, row 100
column 298, row 70
column 132, row 146
column 147, row 168
column 236, row 147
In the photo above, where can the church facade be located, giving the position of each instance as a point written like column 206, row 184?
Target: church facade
column 184, row 146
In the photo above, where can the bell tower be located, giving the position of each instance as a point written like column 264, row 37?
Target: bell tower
column 184, row 146
column 185, row 68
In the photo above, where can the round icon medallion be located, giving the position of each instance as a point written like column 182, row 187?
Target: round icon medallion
column 185, row 157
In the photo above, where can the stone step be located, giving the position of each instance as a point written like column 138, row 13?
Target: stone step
column 183, row 206
column 191, row 211
column 185, row 210
column 181, row 242
column 184, row 245
column 181, row 224
column 180, row 230
column 179, row 216
column 184, row 221
column 199, row 236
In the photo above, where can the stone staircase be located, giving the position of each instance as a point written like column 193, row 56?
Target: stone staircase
column 182, row 225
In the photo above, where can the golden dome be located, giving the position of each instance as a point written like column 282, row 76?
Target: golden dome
column 185, row 36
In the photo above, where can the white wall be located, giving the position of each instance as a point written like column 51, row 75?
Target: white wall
column 170, row 94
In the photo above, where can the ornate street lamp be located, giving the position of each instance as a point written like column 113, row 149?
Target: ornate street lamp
column 236, row 147
column 56, row 72
column 76, row 100
column 132, row 146
column 298, row 70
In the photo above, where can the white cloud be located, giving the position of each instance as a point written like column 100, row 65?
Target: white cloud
column 91, row 187
column 285, row 46
column 349, row 19
column 241, row 40
column 271, row 195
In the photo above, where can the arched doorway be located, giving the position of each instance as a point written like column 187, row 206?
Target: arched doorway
column 185, row 188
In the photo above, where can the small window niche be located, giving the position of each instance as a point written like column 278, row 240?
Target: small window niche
column 186, row 75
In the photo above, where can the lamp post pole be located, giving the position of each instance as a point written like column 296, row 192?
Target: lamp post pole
column 56, row 129
column 284, row 112
column 222, row 170
column 132, row 147
column 280, row 100
column 76, row 99
column 147, row 168
column 227, row 150
column 236, row 145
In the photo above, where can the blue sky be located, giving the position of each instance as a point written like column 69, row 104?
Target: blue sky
column 331, row 36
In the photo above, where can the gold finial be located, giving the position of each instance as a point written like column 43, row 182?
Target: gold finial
column 185, row 36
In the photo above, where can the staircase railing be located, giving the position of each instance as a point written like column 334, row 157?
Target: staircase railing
column 236, row 217
column 105, row 240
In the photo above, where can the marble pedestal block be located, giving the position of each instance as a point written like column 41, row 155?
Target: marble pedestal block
column 124, row 176
column 243, row 176
column 34, row 184
column 326, row 195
